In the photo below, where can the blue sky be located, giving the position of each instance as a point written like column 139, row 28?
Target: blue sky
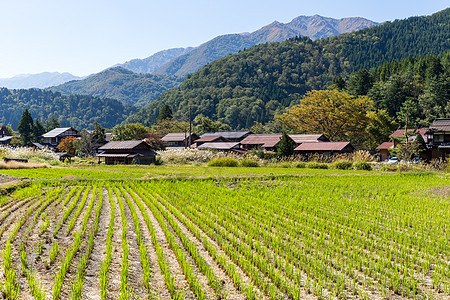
column 87, row 36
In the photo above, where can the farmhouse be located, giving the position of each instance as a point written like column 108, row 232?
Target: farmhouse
column 127, row 152
column 5, row 136
column 266, row 142
column 54, row 137
column 210, row 139
column 383, row 149
column 179, row 140
column 308, row 138
column 438, row 139
column 223, row 146
column 231, row 136
column 327, row 148
column 396, row 138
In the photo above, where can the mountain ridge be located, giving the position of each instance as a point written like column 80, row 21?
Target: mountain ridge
column 39, row 80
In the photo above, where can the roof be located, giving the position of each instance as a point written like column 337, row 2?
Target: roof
column 401, row 132
column 228, row 134
column 440, row 125
column 308, row 138
column 122, row 145
column 208, row 138
column 5, row 138
column 219, row 145
column 265, row 140
column 38, row 145
column 385, row 146
column 57, row 131
column 4, row 131
column 176, row 137
column 325, row 146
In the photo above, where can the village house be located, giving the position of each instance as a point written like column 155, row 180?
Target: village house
column 179, row 140
column 398, row 137
column 308, row 138
column 52, row 138
column 326, row 148
column 266, row 142
column 438, row 139
column 209, row 139
column 222, row 146
column 5, row 136
column 231, row 136
column 127, row 152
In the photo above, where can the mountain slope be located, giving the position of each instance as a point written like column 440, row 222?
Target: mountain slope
column 315, row 27
column 121, row 84
column 73, row 110
column 257, row 83
column 41, row 80
column 151, row 63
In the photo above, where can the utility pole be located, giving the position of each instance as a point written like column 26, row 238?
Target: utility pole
column 190, row 126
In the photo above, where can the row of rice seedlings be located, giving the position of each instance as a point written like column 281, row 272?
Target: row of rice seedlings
column 10, row 288
column 222, row 260
column 70, row 253
column 124, row 287
column 204, row 267
column 79, row 210
column 36, row 288
column 77, row 285
column 162, row 260
column 107, row 261
column 68, row 210
column 142, row 249
column 191, row 277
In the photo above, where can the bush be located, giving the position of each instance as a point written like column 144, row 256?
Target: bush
column 223, row 162
column 362, row 165
column 316, row 165
column 249, row 163
column 342, row 164
column 300, row 164
column 389, row 168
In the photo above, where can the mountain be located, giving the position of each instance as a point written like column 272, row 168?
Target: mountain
column 151, row 63
column 41, row 80
column 315, row 27
column 258, row 83
column 121, row 84
column 72, row 110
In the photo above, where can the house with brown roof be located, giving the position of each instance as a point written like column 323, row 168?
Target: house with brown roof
column 398, row 137
column 179, row 140
column 266, row 142
column 127, row 152
column 308, row 138
column 210, row 139
column 232, row 136
column 222, row 146
column 383, row 150
column 326, row 148
column 438, row 139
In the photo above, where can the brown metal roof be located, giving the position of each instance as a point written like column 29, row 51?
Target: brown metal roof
column 308, row 138
column 228, row 134
column 440, row 125
column 219, row 145
column 122, row 145
column 264, row 140
column 401, row 132
column 208, row 138
column 325, row 146
column 385, row 146
column 177, row 137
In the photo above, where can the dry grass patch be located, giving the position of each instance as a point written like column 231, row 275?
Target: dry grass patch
column 20, row 165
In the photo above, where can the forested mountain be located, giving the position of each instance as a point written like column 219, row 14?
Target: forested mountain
column 257, row 83
column 41, row 80
column 73, row 110
column 123, row 85
column 151, row 63
column 313, row 26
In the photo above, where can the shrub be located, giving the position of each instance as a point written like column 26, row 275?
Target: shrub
column 342, row 164
column 249, row 163
column 389, row 168
column 362, row 165
column 316, row 165
column 300, row 164
column 223, row 162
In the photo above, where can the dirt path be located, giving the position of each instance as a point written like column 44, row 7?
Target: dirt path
column 117, row 253
column 91, row 287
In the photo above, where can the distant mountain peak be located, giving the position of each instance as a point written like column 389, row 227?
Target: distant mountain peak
column 40, row 80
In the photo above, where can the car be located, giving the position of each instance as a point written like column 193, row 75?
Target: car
column 393, row 160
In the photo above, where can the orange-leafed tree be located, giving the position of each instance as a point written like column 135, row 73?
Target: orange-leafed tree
column 338, row 115
column 67, row 144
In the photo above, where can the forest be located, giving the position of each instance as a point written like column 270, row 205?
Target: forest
column 258, row 83
column 71, row 110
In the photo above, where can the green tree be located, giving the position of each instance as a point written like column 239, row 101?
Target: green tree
column 205, row 124
column 38, row 129
column 52, row 123
column 379, row 128
column 285, row 147
column 129, row 132
column 165, row 113
column 25, row 128
column 98, row 135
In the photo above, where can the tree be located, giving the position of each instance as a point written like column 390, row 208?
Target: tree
column 170, row 125
column 379, row 128
column 205, row 124
column 338, row 115
column 98, row 135
column 360, row 83
column 52, row 123
column 165, row 113
column 85, row 144
column 285, row 147
column 38, row 129
column 68, row 144
column 26, row 128
column 130, row 132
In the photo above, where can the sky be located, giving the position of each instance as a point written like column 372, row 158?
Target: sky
column 86, row 36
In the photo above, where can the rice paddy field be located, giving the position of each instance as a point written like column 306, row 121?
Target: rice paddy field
column 225, row 233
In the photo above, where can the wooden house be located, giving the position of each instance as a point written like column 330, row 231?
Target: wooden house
column 179, row 140
column 383, row 150
column 210, row 139
column 54, row 137
column 266, row 142
column 308, row 138
column 231, row 136
column 438, row 139
column 127, row 152
column 222, row 146
column 5, row 136
column 326, row 148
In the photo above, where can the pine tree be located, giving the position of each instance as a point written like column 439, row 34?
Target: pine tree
column 165, row 113
column 25, row 128
column 38, row 129
column 286, row 146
